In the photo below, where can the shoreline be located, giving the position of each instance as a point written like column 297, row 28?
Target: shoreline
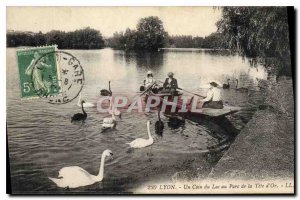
column 264, row 149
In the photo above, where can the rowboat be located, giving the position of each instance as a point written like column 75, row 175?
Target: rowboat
column 208, row 112
column 227, row 110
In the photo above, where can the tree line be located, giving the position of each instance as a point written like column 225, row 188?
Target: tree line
column 86, row 38
column 213, row 41
column 149, row 35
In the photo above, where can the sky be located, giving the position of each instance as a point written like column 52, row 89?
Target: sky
column 195, row 21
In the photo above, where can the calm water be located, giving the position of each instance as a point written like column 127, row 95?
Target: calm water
column 42, row 140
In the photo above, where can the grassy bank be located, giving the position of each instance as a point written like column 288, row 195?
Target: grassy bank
column 264, row 149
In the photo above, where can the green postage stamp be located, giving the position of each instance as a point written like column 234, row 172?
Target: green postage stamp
column 38, row 72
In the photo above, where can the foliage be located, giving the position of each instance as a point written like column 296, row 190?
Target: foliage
column 86, row 38
column 260, row 34
column 149, row 35
column 213, row 41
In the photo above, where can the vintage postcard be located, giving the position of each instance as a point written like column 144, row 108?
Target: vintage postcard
column 150, row 100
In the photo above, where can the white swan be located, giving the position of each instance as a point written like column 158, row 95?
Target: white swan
column 113, row 110
column 140, row 142
column 109, row 122
column 74, row 177
column 86, row 104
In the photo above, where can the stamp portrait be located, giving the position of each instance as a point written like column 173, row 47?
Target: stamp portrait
column 38, row 74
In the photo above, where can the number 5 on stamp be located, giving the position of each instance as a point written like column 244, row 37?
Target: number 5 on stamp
column 38, row 73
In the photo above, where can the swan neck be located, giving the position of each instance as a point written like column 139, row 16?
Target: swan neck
column 149, row 133
column 159, row 116
column 110, row 103
column 109, row 87
column 101, row 168
column 112, row 108
column 79, row 99
column 83, row 109
column 237, row 83
column 113, row 115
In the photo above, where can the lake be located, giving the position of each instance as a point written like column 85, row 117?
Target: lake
column 42, row 140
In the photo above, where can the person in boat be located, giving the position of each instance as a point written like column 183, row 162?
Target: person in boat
column 170, row 84
column 150, row 81
column 213, row 97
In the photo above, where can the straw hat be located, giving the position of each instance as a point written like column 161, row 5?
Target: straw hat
column 170, row 74
column 215, row 83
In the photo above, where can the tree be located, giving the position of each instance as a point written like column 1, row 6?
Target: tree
column 151, row 34
column 117, row 41
column 56, row 37
column 86, row 38
column 130, row 39
column 259, row 33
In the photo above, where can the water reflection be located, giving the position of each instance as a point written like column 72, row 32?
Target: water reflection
column 219, row 52
column 175, row 123
column 142, row 59
column 215, row 52
column 149, row 60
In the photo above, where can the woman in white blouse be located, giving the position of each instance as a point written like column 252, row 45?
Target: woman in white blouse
column 213, row 97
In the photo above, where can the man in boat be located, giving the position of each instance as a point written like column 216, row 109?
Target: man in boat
column 170, row 84
column 213, row 97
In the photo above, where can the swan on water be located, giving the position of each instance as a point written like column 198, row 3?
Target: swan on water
column 105, row 92
column 261, row 84
column 74, row 176
column 109, row 122
column 86, row 104
column 80, row 116
column 241, row 89
column 159, row 125
column 226, row 86
column 140, row 142
column 113, row 110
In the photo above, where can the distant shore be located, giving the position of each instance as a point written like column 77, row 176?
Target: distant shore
column 193, row 49
column 169, row 49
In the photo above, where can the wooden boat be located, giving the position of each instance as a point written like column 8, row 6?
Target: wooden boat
column 208, row 112
column 227, row 110
column 165, row 94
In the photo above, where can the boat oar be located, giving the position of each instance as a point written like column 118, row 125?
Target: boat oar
column 143, row 92
column 191, row 93
column 188, row 91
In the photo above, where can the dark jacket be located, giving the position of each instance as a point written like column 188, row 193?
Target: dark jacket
column 172, row 84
